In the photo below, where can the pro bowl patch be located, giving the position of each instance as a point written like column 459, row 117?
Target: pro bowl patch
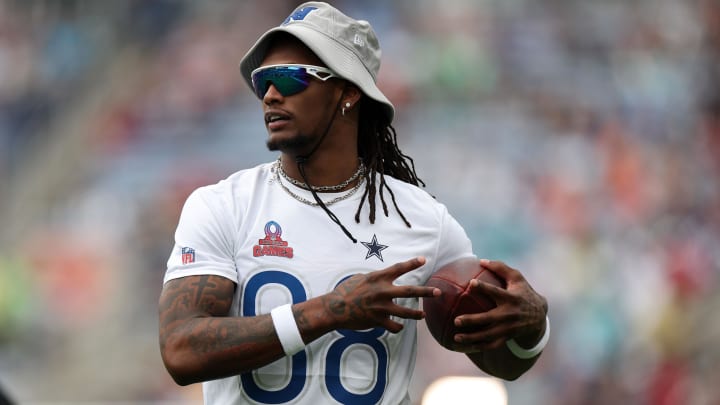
column 272, row 244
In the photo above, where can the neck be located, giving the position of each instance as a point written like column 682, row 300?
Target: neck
column 323, row 171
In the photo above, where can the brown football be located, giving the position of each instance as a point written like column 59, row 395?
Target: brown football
column 453, row 280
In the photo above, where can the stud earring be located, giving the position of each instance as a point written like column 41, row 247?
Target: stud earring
column 347, row 105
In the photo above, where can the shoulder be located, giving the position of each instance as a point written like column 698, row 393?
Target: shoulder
column 237, row 184
column 406, row 193
column 416, row 204
column 410, row 189
column 257, row 175
column 230, row 195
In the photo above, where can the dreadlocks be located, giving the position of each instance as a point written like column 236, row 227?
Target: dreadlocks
column 378, row 148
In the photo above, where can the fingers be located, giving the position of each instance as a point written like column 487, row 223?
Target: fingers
column 398, row 311
column 372, row 296
column 486, row 335
column 501, row 269
column 398, row 269
column 483, row 288
column 469, row 344
column 411, row 291
column 518, row 312
column 406, row 291
column 478, row 321
column 392, row 326
column 406, row 312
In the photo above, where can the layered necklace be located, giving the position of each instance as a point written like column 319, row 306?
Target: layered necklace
column 280, row 175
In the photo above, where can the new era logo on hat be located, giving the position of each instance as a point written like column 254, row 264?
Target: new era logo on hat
column 358, row 40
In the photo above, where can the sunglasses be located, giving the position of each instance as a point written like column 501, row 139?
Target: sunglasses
column 287, row 79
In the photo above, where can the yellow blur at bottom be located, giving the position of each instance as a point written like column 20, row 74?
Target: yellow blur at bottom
column 465, row 391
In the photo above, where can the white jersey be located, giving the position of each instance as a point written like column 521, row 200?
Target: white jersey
column 279, row 250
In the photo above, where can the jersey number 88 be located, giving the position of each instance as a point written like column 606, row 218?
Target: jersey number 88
column 332, row 360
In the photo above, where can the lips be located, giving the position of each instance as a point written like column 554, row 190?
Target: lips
column 276, row 116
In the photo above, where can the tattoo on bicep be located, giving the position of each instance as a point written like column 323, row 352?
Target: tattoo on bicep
column 197, row 308
column 210, row 297
column 192, row 296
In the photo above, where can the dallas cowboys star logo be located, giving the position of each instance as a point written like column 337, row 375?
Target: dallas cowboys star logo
column 374, row 248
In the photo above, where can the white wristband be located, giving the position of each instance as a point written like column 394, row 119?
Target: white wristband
column 521, row 353
column 287, row 330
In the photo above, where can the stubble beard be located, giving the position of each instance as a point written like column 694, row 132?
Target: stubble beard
column 297, row 144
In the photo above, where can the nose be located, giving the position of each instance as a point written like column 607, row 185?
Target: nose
column 272, row 95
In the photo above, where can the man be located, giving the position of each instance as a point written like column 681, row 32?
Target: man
column 284, row 286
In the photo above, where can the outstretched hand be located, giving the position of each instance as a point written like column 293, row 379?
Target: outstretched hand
column 365, row 301
column 519, row 314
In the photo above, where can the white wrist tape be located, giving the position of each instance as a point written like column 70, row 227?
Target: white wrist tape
column 521, row 353
column 287, row 330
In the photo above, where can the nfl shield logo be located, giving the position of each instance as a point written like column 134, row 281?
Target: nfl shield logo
column 188, row 255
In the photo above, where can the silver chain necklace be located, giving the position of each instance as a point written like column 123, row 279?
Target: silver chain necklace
column 360, row 170
column 279, row 172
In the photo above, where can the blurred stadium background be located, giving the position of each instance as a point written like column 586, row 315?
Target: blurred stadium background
column 577, row 140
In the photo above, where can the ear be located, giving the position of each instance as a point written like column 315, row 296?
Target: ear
column 351, row 94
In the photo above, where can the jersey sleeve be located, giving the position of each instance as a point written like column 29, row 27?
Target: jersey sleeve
column 454, row 243
column 203, row 241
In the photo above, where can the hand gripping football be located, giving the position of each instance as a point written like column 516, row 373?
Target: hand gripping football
column 456, row 299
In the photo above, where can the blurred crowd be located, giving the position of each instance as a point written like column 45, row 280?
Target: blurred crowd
column 578, row 141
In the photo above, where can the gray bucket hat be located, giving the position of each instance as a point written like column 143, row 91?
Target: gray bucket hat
column 347, row 46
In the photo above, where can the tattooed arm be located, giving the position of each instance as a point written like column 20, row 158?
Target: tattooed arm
column 200, row 342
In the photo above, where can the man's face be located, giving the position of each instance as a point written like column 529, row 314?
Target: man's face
column 296, row 122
